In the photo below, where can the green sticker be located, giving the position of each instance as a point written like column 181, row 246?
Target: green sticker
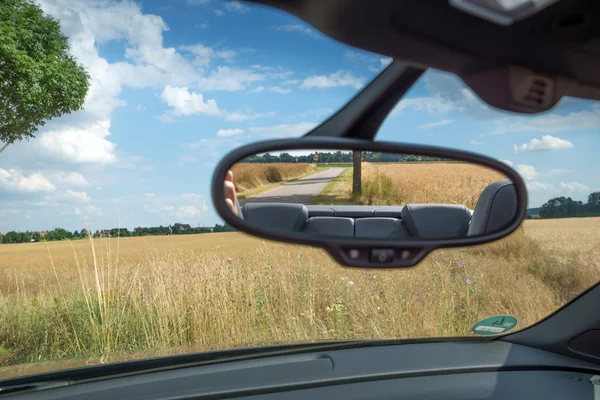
column 495, row 325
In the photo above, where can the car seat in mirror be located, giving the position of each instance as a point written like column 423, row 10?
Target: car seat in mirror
column 368, row 203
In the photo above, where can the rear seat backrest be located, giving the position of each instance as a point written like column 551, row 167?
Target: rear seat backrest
column 380, row 228
column 496, row 207
column 436, row 221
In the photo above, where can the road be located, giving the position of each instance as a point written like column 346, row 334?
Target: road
column 301, row 191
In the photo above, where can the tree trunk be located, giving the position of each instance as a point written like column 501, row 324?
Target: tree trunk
column 356, row 175
column 5, row 146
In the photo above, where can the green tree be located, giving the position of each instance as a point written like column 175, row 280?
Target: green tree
column 25, row 237
column 593, row 203
column 76, row 235
column 36, row 236
column 85, row 233
column 39, row 79
column 12, row 237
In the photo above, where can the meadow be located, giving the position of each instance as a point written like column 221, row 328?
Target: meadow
column 405, row 183
column 64, row 304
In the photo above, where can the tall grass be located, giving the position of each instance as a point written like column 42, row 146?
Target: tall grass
column 252, row 176
column 200, row 296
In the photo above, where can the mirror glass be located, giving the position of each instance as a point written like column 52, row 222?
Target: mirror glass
column 366, row 194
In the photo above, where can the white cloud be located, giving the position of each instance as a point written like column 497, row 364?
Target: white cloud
column 296, row 28
column 12, row 180
column 229, row 79
column 140, row 108
column 385, row 61
column 148, row 194
column 547, row 143
column 558, row 171
column 184, row 207
column 184, row 102
column 449, row 89
column 431, row 105
column 290, row 82
column 509, row 163
column 574, row 187
column 475, row 142
column 188, row 160
column 219, row 13
column 257, row 89
column 436, row 124
column 247, row 115
column 203, row 55
column 213, row 147
column 279, row 89
column 229, row 132
column 202, row 25
column 359, row 56
column 338, row 78
column 236, row 6
column 554, row 122
column 72, row 178
column 88, row 210
column 283, row 130
column 537, row 186
column 528, row 172
column 67, row 196
column 80, row 145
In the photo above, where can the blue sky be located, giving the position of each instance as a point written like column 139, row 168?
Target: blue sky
column 176, row 84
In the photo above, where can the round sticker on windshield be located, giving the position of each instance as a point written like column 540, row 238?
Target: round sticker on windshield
column 495, row 325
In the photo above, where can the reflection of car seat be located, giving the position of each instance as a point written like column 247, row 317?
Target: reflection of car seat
column 496, row 208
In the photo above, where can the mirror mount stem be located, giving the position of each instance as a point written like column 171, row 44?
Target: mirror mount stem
column 362, row 116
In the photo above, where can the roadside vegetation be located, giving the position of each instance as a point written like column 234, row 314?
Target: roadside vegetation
column 251, row 179
column 100, row 299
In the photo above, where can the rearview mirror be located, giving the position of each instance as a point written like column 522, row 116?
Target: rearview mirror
column 370, row 204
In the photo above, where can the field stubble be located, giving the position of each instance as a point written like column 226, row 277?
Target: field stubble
column 103, row 298
column 405, row 183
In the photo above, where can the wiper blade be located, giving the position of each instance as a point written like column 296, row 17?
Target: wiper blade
column 31, row 387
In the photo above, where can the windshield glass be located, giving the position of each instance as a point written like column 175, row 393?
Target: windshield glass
column 112, row 251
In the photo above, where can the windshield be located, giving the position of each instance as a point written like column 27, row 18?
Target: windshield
column 112, row 251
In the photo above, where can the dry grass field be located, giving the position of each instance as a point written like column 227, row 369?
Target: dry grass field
column 104, row 299
column 402, row 183
column 251, row 178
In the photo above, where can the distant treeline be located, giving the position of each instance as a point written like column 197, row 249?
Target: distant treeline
column 338, row 157
column 564, row 207
column 63, row 234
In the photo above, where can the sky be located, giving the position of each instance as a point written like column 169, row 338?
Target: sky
column 176, row 84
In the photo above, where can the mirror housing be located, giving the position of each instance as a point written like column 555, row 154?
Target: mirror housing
column 368, row 252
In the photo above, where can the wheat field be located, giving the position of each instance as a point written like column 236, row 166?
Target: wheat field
column 405, row 183
column 100, row 300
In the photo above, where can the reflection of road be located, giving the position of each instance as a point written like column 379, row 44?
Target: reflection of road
column 300, row 191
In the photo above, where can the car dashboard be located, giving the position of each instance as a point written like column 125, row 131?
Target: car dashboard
column 447, row 370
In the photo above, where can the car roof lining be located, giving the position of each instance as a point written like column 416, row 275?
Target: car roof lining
column 549, row 45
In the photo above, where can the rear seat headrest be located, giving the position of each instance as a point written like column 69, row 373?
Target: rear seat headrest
column 496, row 208
column 276, row 216
column 436, row 221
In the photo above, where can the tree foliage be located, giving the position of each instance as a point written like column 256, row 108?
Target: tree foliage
column 39, row 79
column 338, row 157
column 562, row 207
